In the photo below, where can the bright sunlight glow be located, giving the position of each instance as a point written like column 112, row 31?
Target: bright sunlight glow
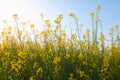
column 26, row 9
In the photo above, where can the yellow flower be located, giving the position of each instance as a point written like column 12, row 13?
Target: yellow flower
column 60, row 16
column 9, row 28
column 46, row 21
column 81, row 56
column 98, row 7
column 63, row 33
column 71, row 14
column 6, row 43
column 13, row 65
column 92, row 14
column 81, row 73
column 71, row 76
column 32, row 26
column 70, row 79
column 22, row 54
column 67, row 55
column 41, row 16
column 31, row 78
column 10, row 77
column 102, row 37
column 35, row 65
column 56, row 60
column 23, row 23
column 85, row 63
column 15, row 16
column 116, row 27
column 20, row 33
column 39, row 70
column 57, row 69
column 5, row 21
column 73, row 36
column 57, row 21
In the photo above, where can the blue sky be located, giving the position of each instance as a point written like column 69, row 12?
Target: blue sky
column 30, row 10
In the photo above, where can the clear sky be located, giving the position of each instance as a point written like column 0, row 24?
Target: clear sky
column 31, row 9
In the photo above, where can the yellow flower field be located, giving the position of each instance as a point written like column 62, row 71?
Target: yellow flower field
column 26, row 53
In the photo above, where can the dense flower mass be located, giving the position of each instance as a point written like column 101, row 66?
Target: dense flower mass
column 26, row 53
